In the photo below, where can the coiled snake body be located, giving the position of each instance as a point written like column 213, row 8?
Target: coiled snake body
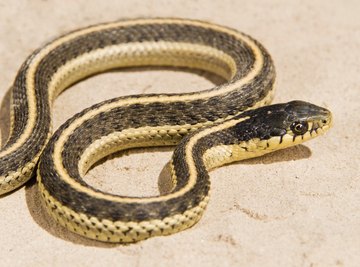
column 223, row 122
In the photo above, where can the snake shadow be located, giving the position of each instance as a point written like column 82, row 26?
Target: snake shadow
column 40, row 215
column 289, row 154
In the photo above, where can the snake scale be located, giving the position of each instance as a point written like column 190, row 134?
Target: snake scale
column 226, row 123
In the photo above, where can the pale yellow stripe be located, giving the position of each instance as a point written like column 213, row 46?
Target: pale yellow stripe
column 192, row 179
column 140, row 54
column 64, row 175
column 37, row 59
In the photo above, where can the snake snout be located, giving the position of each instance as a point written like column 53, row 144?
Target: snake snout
column 322, row 119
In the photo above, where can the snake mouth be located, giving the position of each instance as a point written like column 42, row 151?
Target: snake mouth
column 321, row 123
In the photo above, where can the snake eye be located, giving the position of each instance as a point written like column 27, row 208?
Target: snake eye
column 299, row 127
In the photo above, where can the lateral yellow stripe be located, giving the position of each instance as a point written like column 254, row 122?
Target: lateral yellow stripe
column 32, row 112
column 126, row 55
column 64, row 175
column 192, row 179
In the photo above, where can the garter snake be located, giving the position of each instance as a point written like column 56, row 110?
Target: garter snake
column 212, row 127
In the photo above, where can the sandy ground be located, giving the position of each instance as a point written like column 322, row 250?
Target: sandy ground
column 298, row 207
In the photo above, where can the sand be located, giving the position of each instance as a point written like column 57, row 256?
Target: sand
column 297, row 207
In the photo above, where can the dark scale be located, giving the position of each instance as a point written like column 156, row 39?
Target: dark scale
column 139, row 115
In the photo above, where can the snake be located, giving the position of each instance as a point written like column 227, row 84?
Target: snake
column 229, row 122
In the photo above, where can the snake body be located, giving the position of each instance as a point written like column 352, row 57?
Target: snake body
column 222, row 122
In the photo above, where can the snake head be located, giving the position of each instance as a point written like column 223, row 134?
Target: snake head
column 282, row 125
column 263, row 130
column 306, row 120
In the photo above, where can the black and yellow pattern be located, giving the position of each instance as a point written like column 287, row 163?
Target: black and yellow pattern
column 230, row 130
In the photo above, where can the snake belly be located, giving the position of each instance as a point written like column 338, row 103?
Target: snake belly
column 126, row 122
